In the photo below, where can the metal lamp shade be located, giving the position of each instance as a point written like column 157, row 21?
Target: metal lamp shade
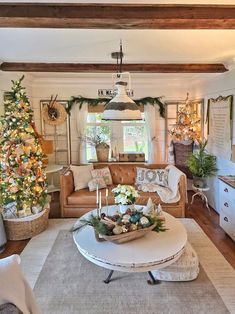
column 121, row 107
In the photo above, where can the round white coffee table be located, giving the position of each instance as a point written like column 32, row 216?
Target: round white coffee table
column 153, row 251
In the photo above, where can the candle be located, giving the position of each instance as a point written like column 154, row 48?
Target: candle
column 100, row 203
column 97, row 194
column 107, row 193
column 97, row 199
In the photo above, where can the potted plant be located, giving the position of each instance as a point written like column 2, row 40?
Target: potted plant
column 202, row 165
column 125, row 195
column 100, row 142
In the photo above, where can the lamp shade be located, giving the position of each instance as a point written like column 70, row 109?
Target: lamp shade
column 121, row 107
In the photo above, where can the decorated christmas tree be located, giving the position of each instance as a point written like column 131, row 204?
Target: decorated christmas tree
column 188, row 125
column 22, row 178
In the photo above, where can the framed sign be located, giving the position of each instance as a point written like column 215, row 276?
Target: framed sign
column 219, row 121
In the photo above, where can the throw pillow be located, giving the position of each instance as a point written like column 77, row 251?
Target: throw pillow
column 103, row 173
column 94, row 182
column 156, row 176
column 81, row 176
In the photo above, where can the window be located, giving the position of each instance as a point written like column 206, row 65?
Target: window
column 96, row 126
column 172, row 109
column 122, row 136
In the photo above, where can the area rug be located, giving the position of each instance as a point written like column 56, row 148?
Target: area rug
column 65, row 282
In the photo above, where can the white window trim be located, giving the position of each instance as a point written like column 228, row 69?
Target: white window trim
column 116, row 132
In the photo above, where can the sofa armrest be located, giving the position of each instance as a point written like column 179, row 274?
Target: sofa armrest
column 183, row 189
column 66, row 188
column 182, row 186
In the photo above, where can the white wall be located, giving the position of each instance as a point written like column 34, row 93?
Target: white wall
column 87, row 85
column 223, row 84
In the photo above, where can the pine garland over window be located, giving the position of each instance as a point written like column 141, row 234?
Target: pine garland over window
column 79, row 100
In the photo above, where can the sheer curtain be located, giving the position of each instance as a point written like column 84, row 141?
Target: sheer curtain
column 151, row 128
column 81, row 121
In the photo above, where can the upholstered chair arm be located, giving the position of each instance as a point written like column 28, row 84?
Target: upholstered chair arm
column 66, row 187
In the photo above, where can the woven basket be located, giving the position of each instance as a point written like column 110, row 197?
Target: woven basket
column 27, row 227
column 125, row 237
column 102, row 154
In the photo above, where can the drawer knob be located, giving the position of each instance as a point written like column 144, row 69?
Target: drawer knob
column 226, row 219
column 226, row 204
column 225, row 190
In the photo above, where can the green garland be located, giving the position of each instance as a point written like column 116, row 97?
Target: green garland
column 98, row 101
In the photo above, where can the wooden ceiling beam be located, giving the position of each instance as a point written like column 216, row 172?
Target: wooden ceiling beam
column 106, row 67
column 117, row 16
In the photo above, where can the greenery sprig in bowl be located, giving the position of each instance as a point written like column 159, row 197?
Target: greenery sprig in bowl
column 114, row 227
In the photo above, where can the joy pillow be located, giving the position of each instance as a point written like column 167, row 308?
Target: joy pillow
column 155, row 176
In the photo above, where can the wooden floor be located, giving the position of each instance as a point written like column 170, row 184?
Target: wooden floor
column 208, row 222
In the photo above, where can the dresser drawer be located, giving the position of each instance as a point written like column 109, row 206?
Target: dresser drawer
column 227, row 191
column 228, row 207
column 226, row 222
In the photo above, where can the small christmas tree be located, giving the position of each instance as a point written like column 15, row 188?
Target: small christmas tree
column 22, row 178
column 187, row 126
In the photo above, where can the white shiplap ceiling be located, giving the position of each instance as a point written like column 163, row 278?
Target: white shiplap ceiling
column 91, row 46
column 130, row 1
column 76, row 45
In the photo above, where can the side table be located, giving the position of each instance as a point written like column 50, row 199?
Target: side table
column 51, row 169
column 200, row 192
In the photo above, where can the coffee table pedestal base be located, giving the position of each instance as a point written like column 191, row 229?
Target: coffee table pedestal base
column 152, row 282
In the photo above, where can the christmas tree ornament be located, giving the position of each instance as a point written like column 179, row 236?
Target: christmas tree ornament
column 117, row 230
column 126, row 218
column 144, row 221
column 188, row 124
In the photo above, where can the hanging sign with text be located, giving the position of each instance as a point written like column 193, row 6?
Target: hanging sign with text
column 219, row 119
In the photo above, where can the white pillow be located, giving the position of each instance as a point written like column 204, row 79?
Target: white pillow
column 81, row 176
column 156, row 176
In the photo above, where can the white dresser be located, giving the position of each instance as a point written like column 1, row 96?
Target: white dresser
column 227, row 207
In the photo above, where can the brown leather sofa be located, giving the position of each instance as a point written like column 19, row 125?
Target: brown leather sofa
column 77, row 203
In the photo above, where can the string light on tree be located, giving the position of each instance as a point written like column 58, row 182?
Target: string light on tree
column 188, row 124
column 22, row 178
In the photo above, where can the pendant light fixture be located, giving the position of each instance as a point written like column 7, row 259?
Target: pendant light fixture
column 121, row 107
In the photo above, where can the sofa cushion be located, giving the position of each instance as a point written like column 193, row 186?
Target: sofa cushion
column 144, row 196
column 84, row 197
column 92, row 185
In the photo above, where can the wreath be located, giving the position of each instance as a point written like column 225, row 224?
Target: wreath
column 54, row 112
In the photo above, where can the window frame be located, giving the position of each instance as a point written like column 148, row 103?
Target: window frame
column 116, row 130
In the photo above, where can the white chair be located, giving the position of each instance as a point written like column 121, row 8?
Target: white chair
column 14, row 289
